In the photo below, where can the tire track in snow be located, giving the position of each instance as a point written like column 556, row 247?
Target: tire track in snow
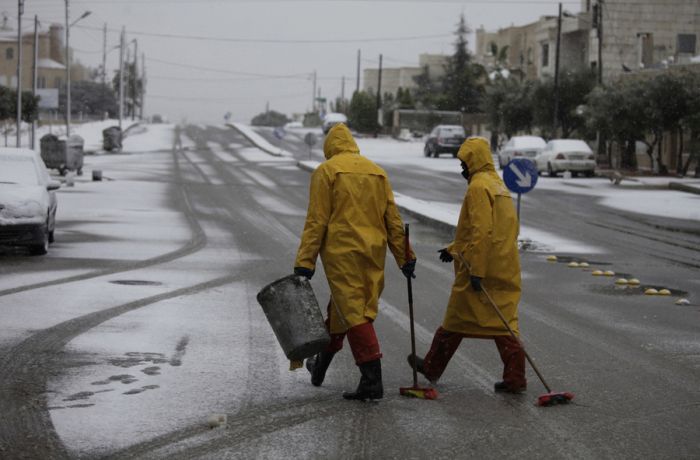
column 28, row 365
column 197, row 241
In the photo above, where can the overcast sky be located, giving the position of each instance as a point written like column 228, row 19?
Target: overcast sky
column 268, row 49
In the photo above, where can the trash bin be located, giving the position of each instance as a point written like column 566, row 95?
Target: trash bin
column 293, row 312
column 112, row 139
column 61, row 155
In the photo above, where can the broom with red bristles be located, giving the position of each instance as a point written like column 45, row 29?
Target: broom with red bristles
column 548, row 399
column 414, row 391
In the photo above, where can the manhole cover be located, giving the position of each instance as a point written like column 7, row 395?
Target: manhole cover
column 136, row 282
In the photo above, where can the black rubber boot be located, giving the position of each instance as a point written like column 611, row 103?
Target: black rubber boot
column 419, row 366
column 370, row 386
column 318, row 365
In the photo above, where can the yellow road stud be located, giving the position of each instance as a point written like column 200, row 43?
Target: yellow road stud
column 573, row 264
column 633, row 281
column 584, row 264
column 651, row 291
column 682, row 302
column 552, row 258
column 609, row 273
column 664, row 292
column 621, row 281
column 597, row 273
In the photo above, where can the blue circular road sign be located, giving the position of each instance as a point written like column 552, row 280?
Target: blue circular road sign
column 520, row 175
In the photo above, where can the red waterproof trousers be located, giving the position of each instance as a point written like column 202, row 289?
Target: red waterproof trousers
column 445, row 343
column 362, row 339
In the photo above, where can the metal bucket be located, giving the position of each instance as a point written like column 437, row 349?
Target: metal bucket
column 293, row 312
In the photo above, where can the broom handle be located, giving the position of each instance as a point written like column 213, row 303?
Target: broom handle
column 505, row 323
column 407, row 253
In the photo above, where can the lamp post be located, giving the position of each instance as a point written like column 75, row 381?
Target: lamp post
column 20, row 11
column 67, row 59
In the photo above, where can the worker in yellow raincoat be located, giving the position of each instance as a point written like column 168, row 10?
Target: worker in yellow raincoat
column 485, row 253
column 351, row 219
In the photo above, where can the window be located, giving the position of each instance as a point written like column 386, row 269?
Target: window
column 9, row 54
column 545, row 54
column 41, row 82
column 686, row 43
column 57, row 82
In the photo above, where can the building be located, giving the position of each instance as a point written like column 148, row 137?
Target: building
column 637, row 34
column 403, row 77
column 51, row 59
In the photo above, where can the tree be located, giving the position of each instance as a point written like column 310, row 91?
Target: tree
column 270, row 118
column 500, row 56
column 426, row 93
column 362, row 114
column 691, row 121
column 508, row 104
column 133, row 88
column 404, row 99
column 90, row 98
column 462, row 84
column 573, row 89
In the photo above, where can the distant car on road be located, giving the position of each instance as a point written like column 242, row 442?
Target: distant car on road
column 27, row 201
column 566, row 155
column 520, row 147
column 294, row 125
column 444, row 139
column 333, row 119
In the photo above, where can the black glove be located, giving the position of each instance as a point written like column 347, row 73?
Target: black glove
column 445, row 255
column 475, row 281
column 303, row 271
column 409, row 268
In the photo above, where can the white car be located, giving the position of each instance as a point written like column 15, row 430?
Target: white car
column 520, row 147
column 27, row 201
column 333, row 119
column 566, row 155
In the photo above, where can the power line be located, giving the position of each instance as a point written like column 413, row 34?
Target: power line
column 301, row 76
column 276, row 40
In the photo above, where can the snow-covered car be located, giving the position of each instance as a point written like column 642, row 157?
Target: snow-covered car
column 444, row 139
column 566, row 155
column 520, row 147
column 294, row 125
column 333, row 119
column 27, row 201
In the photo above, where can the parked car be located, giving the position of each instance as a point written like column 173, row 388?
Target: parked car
column 333, row 119
column 27, row 201
column 444, row 139
column 566, row 155
column 520, row 147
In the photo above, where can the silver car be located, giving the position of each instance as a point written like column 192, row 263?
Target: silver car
column 566, row 155
column 520, row 147
column 27, row 201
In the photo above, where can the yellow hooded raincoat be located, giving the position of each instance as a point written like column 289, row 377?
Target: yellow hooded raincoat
column 351, row 219
column 487, row 239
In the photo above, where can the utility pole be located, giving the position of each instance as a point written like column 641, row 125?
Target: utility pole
column 143, row 84
column 600, row 42
column 357, row 86
column 342, row 94
column 313, row 95
column 35, row 76
column 104, row 55
column 67, row 59
column 20, row 12
column 379, row 97
column 121, row 77
column 135, row 80
column 556, row 77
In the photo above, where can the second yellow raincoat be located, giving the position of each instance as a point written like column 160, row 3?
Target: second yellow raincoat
column 351, row 218
column 487, row 239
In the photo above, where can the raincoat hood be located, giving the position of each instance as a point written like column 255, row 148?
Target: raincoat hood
column 476, row 153
column 339, row 140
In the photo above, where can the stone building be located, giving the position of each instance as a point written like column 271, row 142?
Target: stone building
column 51, row 59
column 394, row 78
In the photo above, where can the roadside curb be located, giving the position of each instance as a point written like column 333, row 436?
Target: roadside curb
column 435, row 223
column 683, row 188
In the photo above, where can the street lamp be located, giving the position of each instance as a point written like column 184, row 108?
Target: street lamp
column 67, row 59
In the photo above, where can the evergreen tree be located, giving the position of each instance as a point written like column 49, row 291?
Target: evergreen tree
column 462, row 85
column 362, row 113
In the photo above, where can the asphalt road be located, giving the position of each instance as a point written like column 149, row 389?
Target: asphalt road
column 632, row 361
